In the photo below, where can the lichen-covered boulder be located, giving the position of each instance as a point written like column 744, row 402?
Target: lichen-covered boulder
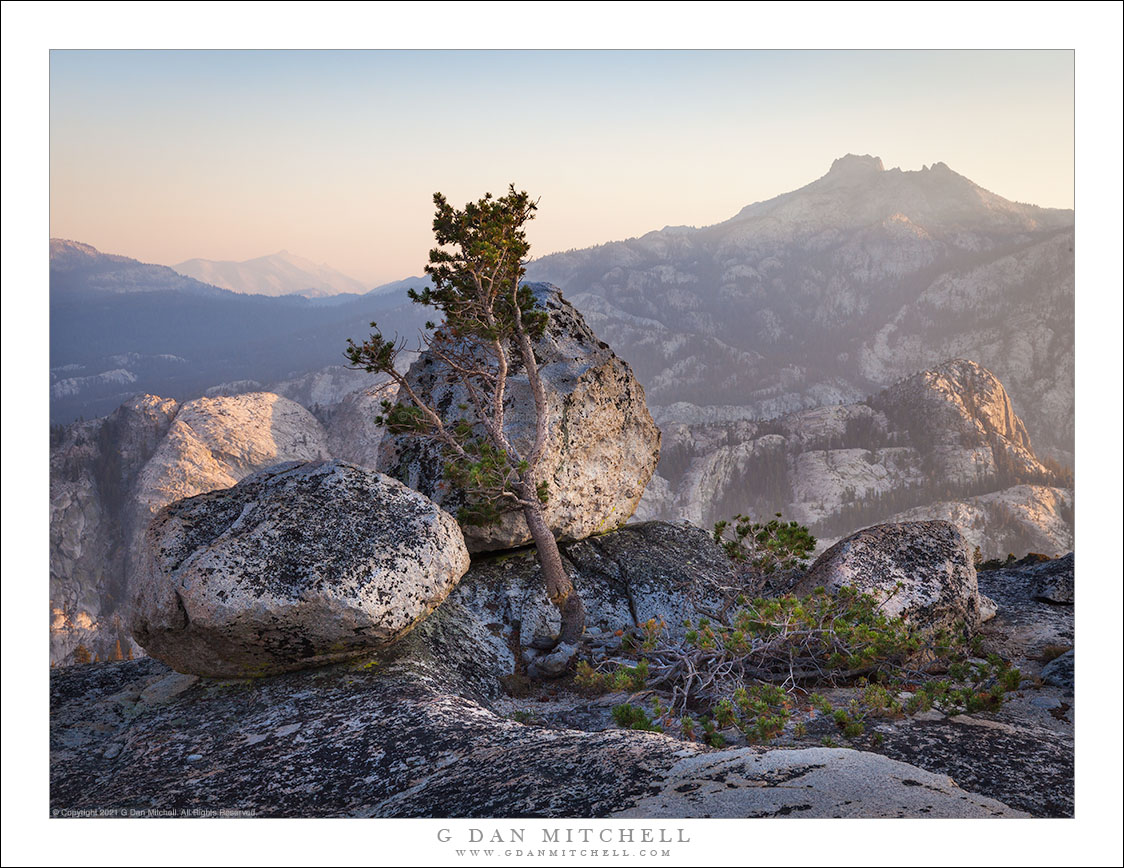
column 603, row 445
column 929, row 559
column 296, row 565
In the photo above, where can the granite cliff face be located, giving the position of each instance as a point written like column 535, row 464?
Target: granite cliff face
column 94, row 469
column 942, row 444
column 836, row 290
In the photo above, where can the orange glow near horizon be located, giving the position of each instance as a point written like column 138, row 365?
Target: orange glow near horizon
column 334, row 156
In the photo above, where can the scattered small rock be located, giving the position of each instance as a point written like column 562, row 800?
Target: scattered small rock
column 1053, row 580
column 1059, row 671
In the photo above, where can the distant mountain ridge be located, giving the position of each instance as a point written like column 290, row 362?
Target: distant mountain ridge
column 280, row 273
column 119, row 327
column 828, row 293
column 820, row 296
column 80, row 268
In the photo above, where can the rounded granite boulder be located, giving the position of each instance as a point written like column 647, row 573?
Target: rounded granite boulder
column 295, row 566
column 921, row 569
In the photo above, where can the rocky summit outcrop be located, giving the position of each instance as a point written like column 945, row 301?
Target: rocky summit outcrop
column 602, row 448
column 960, row 405
column 110, row 476
column 922, row 570
column 294, row 566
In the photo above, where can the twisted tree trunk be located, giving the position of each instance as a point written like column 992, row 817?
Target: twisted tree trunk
column 559, row 587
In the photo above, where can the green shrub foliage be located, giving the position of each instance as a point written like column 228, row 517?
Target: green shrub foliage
column 755, row 670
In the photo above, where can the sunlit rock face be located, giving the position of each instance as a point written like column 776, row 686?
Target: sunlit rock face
column 961, row 411
column 602, row 446
column 942, row 444
column 94, row 468
column 295, row 566
column 1026, row 518
column 214, row 442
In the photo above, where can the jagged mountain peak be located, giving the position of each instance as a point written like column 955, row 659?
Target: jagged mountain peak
column 854, row 164
column 859, row 191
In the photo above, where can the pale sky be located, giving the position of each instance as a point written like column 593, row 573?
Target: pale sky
column 335, row 155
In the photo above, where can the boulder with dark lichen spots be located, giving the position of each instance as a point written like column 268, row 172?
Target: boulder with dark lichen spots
column 921, row 569
column 295, row 566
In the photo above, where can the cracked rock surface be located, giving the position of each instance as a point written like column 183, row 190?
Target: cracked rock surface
column 1022, row 753
column 387, row 739
column 420, row 729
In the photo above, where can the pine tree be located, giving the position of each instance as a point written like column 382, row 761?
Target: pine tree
column 489, row 326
